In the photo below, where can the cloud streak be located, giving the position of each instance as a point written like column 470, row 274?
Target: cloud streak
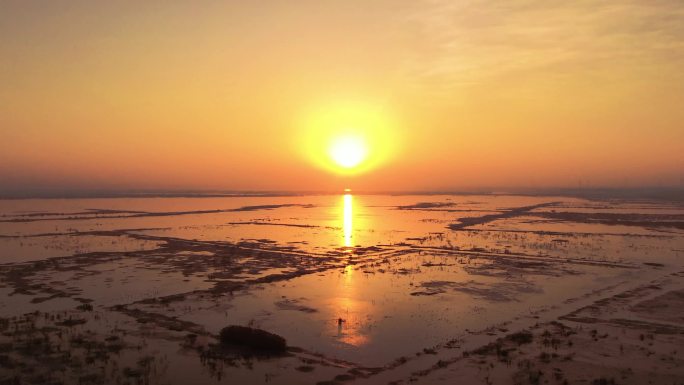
column 470, row 42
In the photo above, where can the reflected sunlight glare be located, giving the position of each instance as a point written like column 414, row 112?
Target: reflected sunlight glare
column 347, row 220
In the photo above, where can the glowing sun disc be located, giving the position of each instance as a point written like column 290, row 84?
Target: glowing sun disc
column 347, row 137
column 348, row 151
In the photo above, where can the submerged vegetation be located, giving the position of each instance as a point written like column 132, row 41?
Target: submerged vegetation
column 257, row 340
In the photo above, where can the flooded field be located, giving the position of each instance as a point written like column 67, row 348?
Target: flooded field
column 365, row 289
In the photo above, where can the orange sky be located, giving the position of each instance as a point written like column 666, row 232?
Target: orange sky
column 217, row 94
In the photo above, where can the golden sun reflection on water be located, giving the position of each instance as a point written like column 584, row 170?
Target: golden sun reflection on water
column 351, row 311
column 347, row 303
column 347, row 219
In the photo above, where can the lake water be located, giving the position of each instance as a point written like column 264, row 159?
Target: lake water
column 368, row 283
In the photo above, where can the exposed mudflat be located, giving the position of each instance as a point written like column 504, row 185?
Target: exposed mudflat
column 470, row 289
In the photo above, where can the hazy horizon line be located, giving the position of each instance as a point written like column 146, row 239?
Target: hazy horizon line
column 675, row 193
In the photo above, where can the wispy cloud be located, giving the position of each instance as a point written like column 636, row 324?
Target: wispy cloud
column 456, row 43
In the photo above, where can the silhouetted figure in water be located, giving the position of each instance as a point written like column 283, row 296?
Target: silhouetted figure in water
column 340, row 321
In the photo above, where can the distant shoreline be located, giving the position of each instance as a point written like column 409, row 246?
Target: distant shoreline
column 652, row 193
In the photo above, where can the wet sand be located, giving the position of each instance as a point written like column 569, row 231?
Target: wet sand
column 487, row 289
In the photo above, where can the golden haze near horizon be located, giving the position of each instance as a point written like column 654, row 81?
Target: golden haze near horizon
column 382, row 95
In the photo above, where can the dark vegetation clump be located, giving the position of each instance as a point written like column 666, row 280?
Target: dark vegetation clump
column 85, row 307
column 305, row 368
column 69, row 322
column 603, row 381
column 523, row 337
column 254, row 339
column 545, row 357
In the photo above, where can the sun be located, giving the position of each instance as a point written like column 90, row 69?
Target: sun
column 348, row 151
column 347, row 137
